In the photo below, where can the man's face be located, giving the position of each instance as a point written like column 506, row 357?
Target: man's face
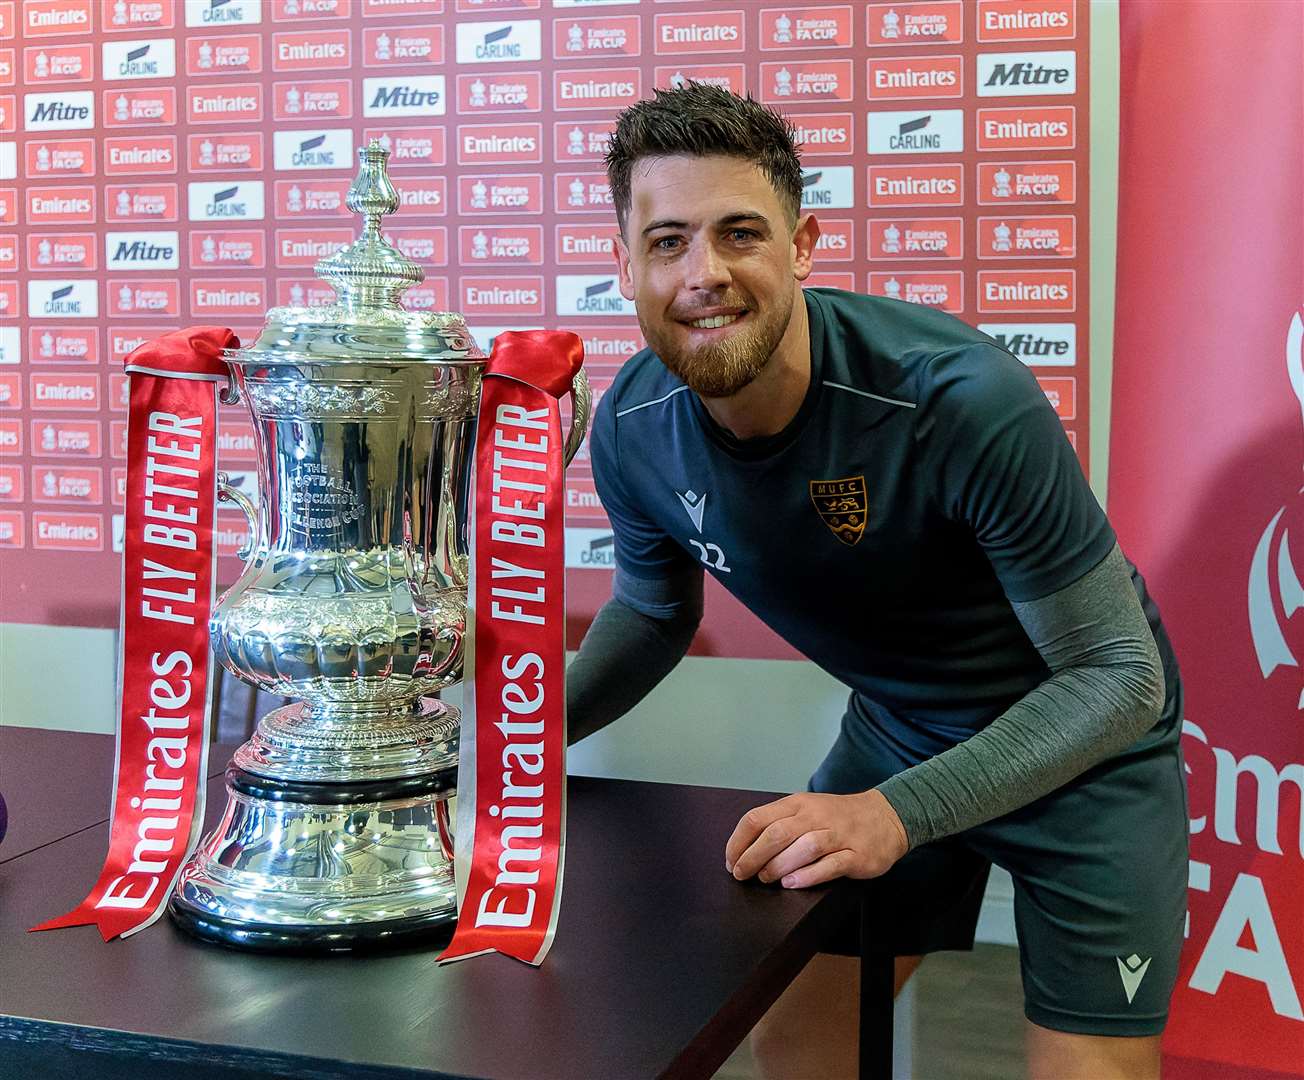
column 711, row 262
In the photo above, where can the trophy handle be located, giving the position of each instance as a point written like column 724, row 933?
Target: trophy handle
column 583, row 396
column 227, row 493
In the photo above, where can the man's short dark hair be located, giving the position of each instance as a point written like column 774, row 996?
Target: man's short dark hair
column 700, row 120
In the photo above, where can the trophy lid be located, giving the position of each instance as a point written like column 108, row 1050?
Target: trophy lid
column 367, row 321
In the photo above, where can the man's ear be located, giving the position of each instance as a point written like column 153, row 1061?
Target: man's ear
column 804, row 238
column 623, row 269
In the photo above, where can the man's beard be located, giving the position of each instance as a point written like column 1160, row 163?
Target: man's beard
column 721, row 370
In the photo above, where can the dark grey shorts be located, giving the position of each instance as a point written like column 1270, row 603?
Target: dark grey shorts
column 1100, row 877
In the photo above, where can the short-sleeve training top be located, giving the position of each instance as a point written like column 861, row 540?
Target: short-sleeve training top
column 924, row 483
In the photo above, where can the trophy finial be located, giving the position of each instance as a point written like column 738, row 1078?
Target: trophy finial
column 370, row 272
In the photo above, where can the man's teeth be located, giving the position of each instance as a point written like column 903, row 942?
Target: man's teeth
column 713, row 322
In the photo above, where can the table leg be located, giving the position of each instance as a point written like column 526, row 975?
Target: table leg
column 876, row 978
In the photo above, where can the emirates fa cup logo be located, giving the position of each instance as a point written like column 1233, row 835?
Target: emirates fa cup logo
column 1275, row 593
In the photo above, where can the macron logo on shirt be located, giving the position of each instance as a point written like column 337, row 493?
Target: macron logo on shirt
column 694, row 505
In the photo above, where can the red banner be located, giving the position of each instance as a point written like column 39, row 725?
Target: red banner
column 167, row 595
column 1205, row 487
column 511, row 831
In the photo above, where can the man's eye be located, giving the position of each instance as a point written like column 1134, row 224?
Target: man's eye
column 741, row 235
column 666, row 243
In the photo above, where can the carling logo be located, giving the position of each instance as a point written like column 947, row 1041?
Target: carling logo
column 612, row 35
column 229, row 54
column 490, row 244
column 1027, row 182
column 831, row 187
column 304, row 247
column 924, row 76
column 1027, row 290
column 156, row 105
column 55, row 63
column 580, row 192
column 502, row 295
column 218, row 201
column 916, row 238
column 942, row 289
column 580, row 140
column 225, row 153
column 66, row 111
column 824, row 133
column 154, row 59
column 1052, row 127
column 141, row 202
column 483, row 144
column 53, row 345
column 310, row 50
column 62, row 157
column 77, row 299
column 223, row 12
column 520, row 193
column 62, row 251
column 403, row 45
column 806, row 28
column 224, row 103
column 144, row 297
column 806, row 80
column 937, row 131
column 731, row 77
column 489, row 93
column 136, row 155
column 54, row 17
column 311, row 198
column 240, row 248
column 411, row 95
column 65, row 390
column 141, row 251
column 591, row 294
column 1027, row 237
column 299, row 100
column 938, row 23
column 1037, row 344
column 1031, row 74
column 228, row 296
column 328, row 149
column 410, row 145
column 499, row 43
column 915, row 185
column 715, row 31
column 1025, row 20
column 596, row 88
column 589, row 243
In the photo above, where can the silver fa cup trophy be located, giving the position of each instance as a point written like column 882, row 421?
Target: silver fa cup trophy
column 338, row 825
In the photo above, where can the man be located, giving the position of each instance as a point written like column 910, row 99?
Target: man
column 890, row 491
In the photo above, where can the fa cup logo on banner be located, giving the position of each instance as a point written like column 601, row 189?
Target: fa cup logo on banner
column 1275, row 593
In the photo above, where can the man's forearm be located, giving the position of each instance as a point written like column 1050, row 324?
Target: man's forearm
column 1106, row 690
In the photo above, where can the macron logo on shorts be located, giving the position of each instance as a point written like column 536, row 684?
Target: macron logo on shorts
column 1132, row 971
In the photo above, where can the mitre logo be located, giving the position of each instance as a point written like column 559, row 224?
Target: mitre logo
column 925, row 76
column 242, row 248
column 501, row 244
column 807, row 80
column 916, row 185
column 1025, row 20
column 517, row 92
column 1052, row 127
column 916, row 24
column 226, row 55
column 940, row 131
column 499, row 43
column 591, row 294
column 310, row 50
column 218, row 201
column 55, row 17
column 1271, row 609
column 502, row 295
column 156, row 59
column 824, row 133
column 1027, row 237
column 140, row 155
column 410, row 145
column 942, row 289
column 720, row 31
column 832, row 187
column 156, row 105
column 613, row 35
column 511, row 194
column 70, row 110
column 224, row 153
column 223, row 12
column 499, row 143
column 141, row 250
column 806, row 28
column 411, row 95
column 917, row 238
column 329, row 149
column 77, row 299
column 588, row 243
column 61, row 251
column 1027, row 182
column 1027, row 290
column 1031, row 74
column 404, row 45
column 596, row 88
column 56, row 63
column 66, row 157
column 731, row 77
column 1036, row 344
column 65, row 390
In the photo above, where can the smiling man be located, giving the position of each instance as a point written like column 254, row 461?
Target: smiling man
column 889, row 490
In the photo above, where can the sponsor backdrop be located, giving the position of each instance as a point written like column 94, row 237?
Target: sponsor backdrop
column 1204, row 489
column 165, row 162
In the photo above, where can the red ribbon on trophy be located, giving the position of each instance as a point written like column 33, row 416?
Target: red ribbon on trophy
column 164, row 663
column 510, row 838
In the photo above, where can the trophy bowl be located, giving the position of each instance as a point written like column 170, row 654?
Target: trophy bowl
column 338, row 825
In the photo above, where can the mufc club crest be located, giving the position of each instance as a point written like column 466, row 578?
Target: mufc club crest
column 843, row 505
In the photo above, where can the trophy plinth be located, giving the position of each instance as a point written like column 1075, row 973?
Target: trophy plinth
column 337, row 830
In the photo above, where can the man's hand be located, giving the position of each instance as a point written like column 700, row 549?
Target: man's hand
column 809, row 838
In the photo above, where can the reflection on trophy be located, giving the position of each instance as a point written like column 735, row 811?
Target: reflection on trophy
column 337, row 829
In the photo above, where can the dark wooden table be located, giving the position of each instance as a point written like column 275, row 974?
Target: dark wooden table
column 661, row 965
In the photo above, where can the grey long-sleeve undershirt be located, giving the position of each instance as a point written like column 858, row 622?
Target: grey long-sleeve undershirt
column 1105, row 690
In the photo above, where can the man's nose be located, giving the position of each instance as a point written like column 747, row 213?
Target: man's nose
column 705, row 268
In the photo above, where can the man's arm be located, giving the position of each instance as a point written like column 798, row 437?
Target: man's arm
column 634, row 642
